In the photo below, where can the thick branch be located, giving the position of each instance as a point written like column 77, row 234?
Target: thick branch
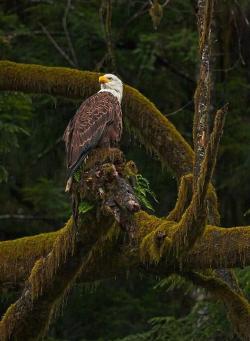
column 105, row 257
column 193, row 221
column 18, row 256
column 154, row 130
column 218, row 247
column 41, row 277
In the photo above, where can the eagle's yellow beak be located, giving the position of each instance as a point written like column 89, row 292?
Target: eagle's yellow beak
column 103, row 80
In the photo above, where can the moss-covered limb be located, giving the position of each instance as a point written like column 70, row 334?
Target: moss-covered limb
column 18, row 256
column 152, row 128
column 211, row 151
column 183, row 198
column 193, row 221
column 217, row 248
column 40, row 279
column 38, row 316
column 220, row 248
column 237, row 306
column 109, row 256
column 30, row 317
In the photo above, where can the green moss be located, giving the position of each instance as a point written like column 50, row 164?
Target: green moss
column 18, row 256
column 40, row 278
column 183, row 198
column 156, row 244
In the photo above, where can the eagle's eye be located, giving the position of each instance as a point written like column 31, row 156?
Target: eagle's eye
column 110, row 78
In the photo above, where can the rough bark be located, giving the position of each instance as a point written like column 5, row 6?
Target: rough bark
column 203, row 90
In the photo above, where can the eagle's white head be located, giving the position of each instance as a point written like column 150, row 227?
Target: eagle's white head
column 112, row 84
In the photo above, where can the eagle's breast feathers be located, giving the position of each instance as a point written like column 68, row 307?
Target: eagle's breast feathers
column 97, row 123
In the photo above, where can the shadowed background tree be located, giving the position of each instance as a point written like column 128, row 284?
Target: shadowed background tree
column 33, row 199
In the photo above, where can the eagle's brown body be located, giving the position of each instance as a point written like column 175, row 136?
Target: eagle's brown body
column 97, row 123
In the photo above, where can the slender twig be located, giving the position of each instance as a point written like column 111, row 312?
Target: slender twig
column 242, row 13
column 180, row 109
column 175, row 69
column 193, row 222
column 239, row 39
column 165, row 3
column 143, row 10
column 67, row 35
column 46, row 150
column 106, row 17
column 55, row 44
column 99, row 64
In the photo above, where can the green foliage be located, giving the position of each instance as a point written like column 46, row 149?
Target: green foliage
column 77, row 175
column 187, row 39
column 113, row 309
column 3, row 174
column 47, row 198
column 175, row 282
column 244, row 280
column 15, row 112
column 85, row 207
column 206, row 322
column 142, row 191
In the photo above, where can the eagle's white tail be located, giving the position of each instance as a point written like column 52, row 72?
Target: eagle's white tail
column 68, row 184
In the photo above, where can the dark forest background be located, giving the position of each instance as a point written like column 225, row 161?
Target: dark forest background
column 162, row 64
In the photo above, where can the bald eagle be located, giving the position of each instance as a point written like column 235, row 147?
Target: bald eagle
column 97, row 123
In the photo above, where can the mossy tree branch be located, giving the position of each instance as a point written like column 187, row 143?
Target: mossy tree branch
column 218, row 247
column 105, row 257
column 43, row 272
column 154, row 130
column 193, row 220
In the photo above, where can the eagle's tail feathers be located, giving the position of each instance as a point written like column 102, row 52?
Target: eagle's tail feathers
column 78, row 163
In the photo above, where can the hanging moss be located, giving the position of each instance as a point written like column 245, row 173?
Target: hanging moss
column 18, row 256
column 218, row 247
column 183, row 198
column 156, row 244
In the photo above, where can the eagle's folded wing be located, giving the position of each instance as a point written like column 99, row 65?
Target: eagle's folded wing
column 86, row 128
